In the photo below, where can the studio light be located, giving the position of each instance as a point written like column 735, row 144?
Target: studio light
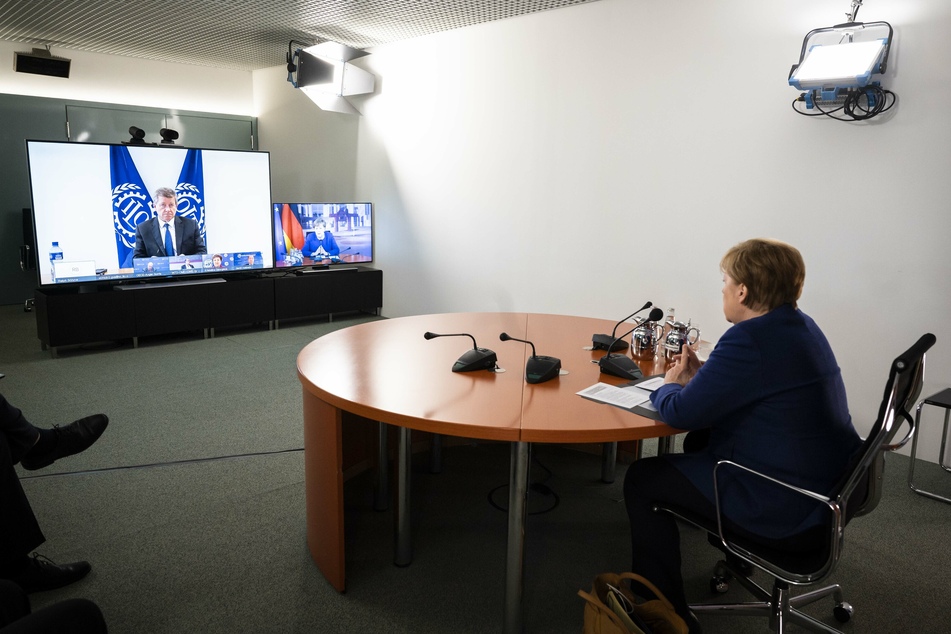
column 836, row 68
column 324, row 74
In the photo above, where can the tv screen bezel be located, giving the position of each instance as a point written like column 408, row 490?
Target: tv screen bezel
column 310, row 265
column 166, row 275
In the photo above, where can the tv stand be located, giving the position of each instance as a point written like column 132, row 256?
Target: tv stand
column 70, row 316
column 325, row 269
column 144, row 285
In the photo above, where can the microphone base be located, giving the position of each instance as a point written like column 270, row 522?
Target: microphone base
column 539, row 369
column 620, row 365
column 603, row 342
column 476, row 359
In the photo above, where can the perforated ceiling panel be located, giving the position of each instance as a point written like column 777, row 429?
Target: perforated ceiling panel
column 239, row 34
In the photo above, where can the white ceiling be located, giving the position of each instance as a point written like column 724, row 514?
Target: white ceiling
column 239, row 34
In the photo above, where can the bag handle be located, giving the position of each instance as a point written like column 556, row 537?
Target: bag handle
column 650, row 586
column 597, row 603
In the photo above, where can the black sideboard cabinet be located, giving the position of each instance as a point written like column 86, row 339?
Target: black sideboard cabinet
column 82, row 315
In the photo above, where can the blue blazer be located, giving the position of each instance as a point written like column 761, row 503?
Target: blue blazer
column 773, row 397
column 149, row 243
column 328, row 243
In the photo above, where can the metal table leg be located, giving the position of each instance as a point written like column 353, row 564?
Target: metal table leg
column 608, row 461
column 665, row 445
column 515, row 552
column 381, row 496
column 435, row 456
column 404, row 549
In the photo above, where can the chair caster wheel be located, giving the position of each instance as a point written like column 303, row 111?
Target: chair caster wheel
column 843, row 612
column 719, row 585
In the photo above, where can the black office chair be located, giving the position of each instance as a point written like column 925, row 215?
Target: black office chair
column 857, row 493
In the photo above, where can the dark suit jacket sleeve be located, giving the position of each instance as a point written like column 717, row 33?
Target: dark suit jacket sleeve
column 722, row 385
column 141, row 248
column 191, row 242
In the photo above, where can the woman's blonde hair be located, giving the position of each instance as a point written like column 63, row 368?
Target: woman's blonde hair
column 772, row 271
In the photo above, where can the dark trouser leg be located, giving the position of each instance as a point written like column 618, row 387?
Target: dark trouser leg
column 20, row 434
column 73, row 616
column 14, row 603
column 655, row 537
column 19, row 531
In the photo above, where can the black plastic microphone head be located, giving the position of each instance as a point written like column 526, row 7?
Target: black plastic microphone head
column 504, row 336
column 656, row 315
column 429, row 335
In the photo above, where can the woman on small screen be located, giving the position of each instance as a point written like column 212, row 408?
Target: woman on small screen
column 320, row 243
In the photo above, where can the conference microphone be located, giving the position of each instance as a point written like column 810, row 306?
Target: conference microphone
column 602, row 342
column 619, row 364
column 475, row 359
column 538, row 369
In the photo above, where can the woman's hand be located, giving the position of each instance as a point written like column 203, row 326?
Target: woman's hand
column 685, row 366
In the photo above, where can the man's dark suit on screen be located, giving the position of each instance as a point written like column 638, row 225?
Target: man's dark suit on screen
column 150, row 243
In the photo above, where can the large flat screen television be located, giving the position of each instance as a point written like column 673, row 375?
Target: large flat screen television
column 98, row 212
column 322, row 234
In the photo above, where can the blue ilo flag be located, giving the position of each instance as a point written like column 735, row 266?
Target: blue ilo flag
column 131, row 202
column 190, row 191
column 280, row 247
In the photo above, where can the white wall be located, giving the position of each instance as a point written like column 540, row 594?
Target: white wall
column 313, row 153
column 584, row 160
column 127, row 80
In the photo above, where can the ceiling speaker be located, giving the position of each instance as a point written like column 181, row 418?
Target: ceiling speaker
column 41, row 62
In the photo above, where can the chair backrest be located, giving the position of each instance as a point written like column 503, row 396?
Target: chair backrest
column 901, row 392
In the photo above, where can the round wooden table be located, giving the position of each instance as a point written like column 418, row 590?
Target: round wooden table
column 386, row 371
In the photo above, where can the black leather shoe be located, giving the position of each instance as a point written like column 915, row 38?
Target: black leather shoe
column 72, row 439
column 41, row 574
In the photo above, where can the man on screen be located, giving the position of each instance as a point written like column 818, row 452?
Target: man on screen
column 167, row 234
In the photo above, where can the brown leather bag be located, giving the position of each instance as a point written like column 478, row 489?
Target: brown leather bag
column 611, row 608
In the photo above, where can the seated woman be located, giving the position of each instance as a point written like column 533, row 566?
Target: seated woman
column 769, row 397
column 320, row 243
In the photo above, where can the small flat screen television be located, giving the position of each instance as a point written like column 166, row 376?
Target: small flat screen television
column 322, row 234
column 97, row 212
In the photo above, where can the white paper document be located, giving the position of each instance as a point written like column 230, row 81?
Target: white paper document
column 624, row 397
column 651, row 384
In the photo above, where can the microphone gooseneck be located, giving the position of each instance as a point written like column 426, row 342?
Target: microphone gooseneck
column 506, row 337
column 616, row 339
column 538, row 369
column 601, row 341
column 433, row 335
column 655, row 315
column 644, row 307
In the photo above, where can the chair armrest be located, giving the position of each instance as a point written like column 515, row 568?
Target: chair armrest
column 836, row 532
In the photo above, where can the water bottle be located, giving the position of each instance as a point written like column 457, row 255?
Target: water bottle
column 56, row 254
column 669, row 320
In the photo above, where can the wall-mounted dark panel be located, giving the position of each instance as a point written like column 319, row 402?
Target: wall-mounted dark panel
column 21, row 118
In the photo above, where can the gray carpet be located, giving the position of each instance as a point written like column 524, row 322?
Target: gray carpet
column 218, row 545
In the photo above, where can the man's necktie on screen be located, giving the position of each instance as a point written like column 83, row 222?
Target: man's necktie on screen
column 169, row 249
